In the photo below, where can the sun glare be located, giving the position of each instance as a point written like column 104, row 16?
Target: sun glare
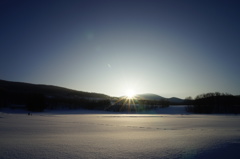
column 130, row 93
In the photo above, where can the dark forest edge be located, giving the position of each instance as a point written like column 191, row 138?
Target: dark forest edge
column 214, row 103
column 38, row 102
column 37, row 98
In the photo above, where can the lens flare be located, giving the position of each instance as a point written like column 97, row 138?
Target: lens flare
column 130, row 93
column 125, row 103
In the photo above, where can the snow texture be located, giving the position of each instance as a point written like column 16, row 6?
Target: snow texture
column 166, row 136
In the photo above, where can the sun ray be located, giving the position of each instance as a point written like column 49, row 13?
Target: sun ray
column 130, row 93
column 125, row 103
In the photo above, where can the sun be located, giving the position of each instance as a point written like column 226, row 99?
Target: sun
column 130, row 93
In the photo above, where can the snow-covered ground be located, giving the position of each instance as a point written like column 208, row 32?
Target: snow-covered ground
column 59, row 135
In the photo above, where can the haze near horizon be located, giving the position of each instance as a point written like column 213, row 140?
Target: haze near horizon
column 170, row 48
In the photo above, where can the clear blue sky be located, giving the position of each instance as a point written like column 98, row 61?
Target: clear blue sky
column 170, row 48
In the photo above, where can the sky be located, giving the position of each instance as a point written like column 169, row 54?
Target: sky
column 167, row 47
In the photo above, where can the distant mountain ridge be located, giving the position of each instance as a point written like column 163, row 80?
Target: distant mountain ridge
column 176, row 100
column 50, row 90
column 150, row 96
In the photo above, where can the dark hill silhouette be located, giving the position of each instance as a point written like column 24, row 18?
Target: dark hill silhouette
column 150, row 96
column 35, row 97
column 175, row 100
column 215, row 103
column 47, row 90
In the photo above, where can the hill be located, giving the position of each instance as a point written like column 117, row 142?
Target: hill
column 150, row 96
column 47, row 90
column 175, row 100
column 34, row 97
column 37, row 97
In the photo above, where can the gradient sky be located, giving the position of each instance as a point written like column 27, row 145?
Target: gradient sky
column 167, row 47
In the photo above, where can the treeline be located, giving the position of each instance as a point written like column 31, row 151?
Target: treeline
column 162, row 103
column 137, row 105
column 19, row 95
column 76, row 103
column 209, row 103
column 39, row 102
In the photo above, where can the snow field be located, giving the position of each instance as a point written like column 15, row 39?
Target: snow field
column 118, row 136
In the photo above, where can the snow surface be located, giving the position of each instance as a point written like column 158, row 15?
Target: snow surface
column 180, row 109
column 59, row 135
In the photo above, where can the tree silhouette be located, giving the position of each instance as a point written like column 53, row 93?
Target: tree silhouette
column 215, row 103
column 36, row 102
